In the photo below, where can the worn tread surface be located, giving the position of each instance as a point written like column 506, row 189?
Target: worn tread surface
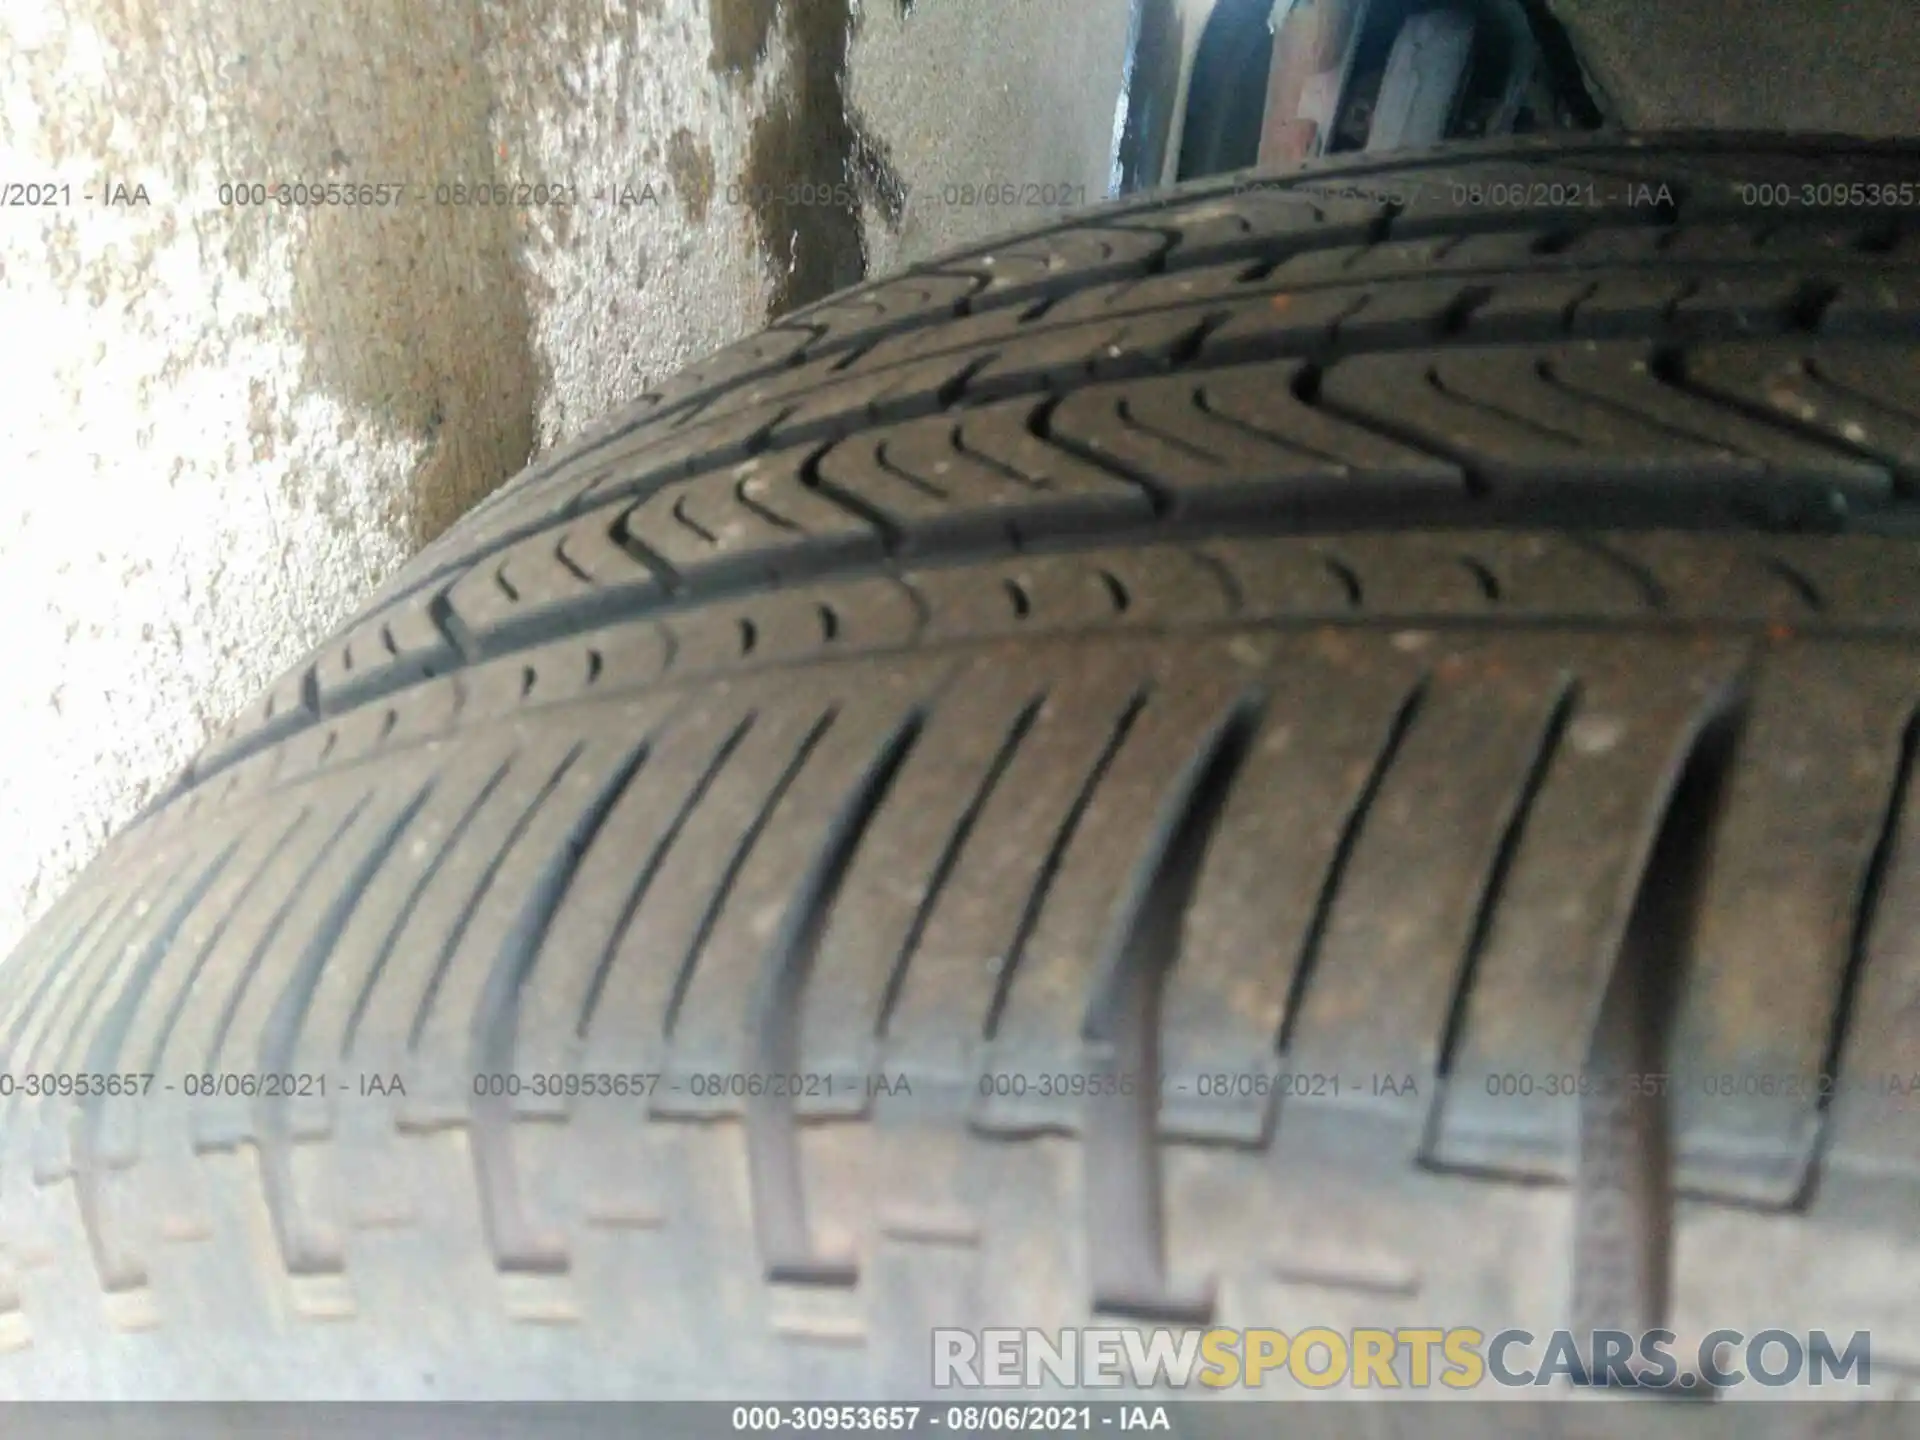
column 1254, row 634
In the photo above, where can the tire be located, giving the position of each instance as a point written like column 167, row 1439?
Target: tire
column 1226, row 94
column 1264, row 755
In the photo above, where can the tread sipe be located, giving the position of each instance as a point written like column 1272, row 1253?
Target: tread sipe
column 1217, row 738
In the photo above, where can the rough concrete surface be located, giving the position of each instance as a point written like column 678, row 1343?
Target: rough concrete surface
column 224, row 425
column 1032, row 103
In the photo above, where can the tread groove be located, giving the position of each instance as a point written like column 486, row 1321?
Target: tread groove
column 891, row 536
column 114, row 1272
column 1350, row 829
column 1056, row 854
column 281, row 1034
column 244, row 980
column 458, row 930
column 1623, row 1164
column 179, row 1004
column 455, row 835
column 644, row 880
column 1652, row 593
column 451, row 628
column 99, row 921
column 1804, row 589
column 787, row 1250
column 950, row 857
column 1126, row 1246
column 1866, row 911
column 1552, row 735
column 736, row 862
column 515, row 1245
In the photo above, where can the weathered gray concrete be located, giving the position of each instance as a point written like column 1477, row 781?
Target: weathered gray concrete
column 222, row 426
column 985, row 92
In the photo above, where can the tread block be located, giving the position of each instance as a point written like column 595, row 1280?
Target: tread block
column 1027, row 268
column 939, row 682
column 637, row 461
column 758, row 519
column 166, row 1128
column 1254, row 220
column 582, row 568
column 1416, row 255
column 875, row 366
column 888, row 305
column 67, row 1127
column 58, row 950
column 716, row 433
column 859, row 616
column 1869, row 581
column 1600, row 306
column 1808, row 792
column 1859, row 395
column 666, row 406
column 985, row 330
column 1592, row 413
column 722, row 431
column 345, row 989
column 1264, row 406
column 953, row 478
column 51, row 1035
column 1177, row 288
column 1399, row 933
column 602, row 661
column 1439, row 573
column 266, row 1029
column 1873, row 1128
column 428, row 929
column 953, row 982
column 397, row 647
column 199, row 1030
column 1241, row 440
column 920, row 388
column 654, row 957
column 1742, row 304
column 721, row 1023
column 1408, row 312
column 1691, row 578
column 1064, row 966
column 771, row 349
column 1873, row 304
column 503, row 932
column 114, row 1127
column 1303, row 322
column 912, row 846
column 1037, row 593
column 282, row 708
column 1596, row 374
column 1067, row 355
column 1334, row 704
column 363, row 730
column 1296, row 578
column 1555, row 934
column 614, row 876
column 1353, row 294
